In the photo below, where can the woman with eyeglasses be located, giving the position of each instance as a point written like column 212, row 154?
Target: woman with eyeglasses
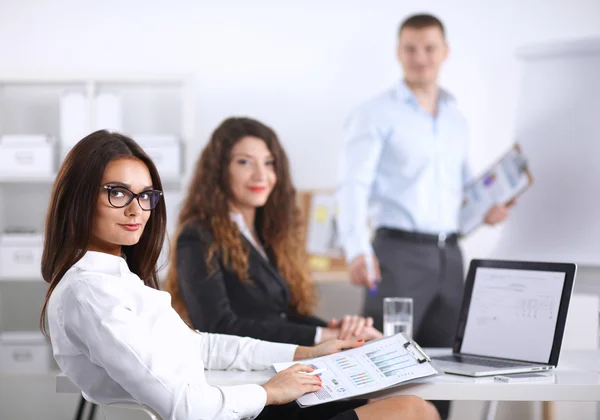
column 116, row 336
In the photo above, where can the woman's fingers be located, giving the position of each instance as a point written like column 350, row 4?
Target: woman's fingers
column 298, row 367
column 312, row 388
column 350, row 344
column 360, row 326
column 356, row 321
column 354, row 326
column 373, row 333
column 345, row 328
column 310, row 380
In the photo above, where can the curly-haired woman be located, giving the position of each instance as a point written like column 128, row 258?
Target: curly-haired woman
column 239, row 265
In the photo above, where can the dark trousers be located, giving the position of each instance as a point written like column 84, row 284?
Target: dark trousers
column 433, row 276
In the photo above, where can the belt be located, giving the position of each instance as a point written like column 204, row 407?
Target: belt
column 440, row 239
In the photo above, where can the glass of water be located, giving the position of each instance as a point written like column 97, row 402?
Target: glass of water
column 398, row 316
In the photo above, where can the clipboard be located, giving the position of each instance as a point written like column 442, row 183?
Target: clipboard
column 376, row 365
column 417, row 352
column 504, row 181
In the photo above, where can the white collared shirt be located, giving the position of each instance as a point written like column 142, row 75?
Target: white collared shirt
column 121, row 341
column 238, row 218
column 401, row 168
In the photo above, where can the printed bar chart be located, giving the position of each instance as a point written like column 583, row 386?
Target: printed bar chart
column 361, row 379
column 345, row 363
column 389, row 363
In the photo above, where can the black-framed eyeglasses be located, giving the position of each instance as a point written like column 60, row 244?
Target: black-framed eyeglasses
column 120, row 197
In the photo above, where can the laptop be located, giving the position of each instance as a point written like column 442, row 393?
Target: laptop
column 512, row 318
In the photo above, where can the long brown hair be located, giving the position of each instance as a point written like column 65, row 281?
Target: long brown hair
column 278, row 222
column 72, row 208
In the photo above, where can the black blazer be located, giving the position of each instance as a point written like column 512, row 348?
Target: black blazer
column 217, row 301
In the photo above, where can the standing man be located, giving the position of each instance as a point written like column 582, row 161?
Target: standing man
column 405, row 157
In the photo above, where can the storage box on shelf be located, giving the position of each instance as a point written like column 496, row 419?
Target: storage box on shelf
column 25, row 353
column 165, row 152
column 74, row 117
column 20, row 256
column 108, row 112
column 83, row 113
column 26, row 157
column 114, row 110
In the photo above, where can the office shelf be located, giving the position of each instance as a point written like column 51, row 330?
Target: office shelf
column 30, row 104
column 21, row 279
column 41, row 179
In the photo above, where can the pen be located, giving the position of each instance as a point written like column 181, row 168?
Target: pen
column 315, row 372
column 371, row 274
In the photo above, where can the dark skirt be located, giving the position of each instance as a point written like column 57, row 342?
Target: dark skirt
column 337, row 410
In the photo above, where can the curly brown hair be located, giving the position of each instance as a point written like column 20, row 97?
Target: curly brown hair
column 278, row 222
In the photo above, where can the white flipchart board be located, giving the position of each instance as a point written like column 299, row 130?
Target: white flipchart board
column 558, row 127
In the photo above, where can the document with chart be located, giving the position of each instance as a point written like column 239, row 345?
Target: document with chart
column 374, row 366
column 503, row 182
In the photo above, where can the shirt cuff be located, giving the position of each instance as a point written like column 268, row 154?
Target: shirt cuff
column 353, row 251
column 318, row 335
column 267, row 353
column 243, row 401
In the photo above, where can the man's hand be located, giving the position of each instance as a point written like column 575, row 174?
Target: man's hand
column 498, row 213
column 290, row 384
column 323, row 349
column 359, row 274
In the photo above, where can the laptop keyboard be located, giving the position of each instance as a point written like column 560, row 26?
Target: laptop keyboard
column 480, row 361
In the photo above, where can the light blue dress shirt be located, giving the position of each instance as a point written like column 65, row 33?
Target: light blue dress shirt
column 402, row 168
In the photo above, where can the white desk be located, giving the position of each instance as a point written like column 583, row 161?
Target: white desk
column 577, row 378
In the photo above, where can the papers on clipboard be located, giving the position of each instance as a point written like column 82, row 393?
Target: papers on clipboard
column 376, row 365
column 503, row 182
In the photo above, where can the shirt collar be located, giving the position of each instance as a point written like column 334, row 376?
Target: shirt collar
column 237, row 218
column 101, row 262
column 406, row 95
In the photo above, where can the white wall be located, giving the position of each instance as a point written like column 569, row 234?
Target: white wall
column 299, row 66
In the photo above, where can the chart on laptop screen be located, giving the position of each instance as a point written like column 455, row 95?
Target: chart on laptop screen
column 513, row 313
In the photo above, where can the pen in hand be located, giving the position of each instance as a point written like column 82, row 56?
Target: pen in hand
column 315, row 372
column 371, row 274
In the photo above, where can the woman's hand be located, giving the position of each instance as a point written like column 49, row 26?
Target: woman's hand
column 335, row 346
column 328, row 334
column 354, row 326
column 290, row 384
column 370, row 333
column 323, row 349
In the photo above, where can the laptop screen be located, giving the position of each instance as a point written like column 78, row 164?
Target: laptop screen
column 513, row 313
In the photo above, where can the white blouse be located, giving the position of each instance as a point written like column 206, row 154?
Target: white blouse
column 238, row 218
column 121, row 341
